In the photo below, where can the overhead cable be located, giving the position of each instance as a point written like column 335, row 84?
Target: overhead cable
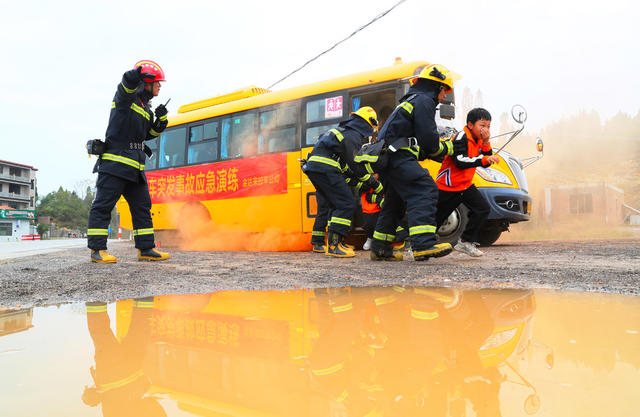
column 378, row 17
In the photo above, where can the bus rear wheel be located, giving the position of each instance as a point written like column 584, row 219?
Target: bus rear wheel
column 193, row 216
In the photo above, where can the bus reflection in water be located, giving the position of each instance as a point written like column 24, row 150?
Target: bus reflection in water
column 337, row 352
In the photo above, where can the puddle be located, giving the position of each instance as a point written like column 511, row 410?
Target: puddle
column 412, row 351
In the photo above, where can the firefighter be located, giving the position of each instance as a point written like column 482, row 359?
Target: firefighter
column 471, row 149
column 121, row 167
column 120, row 385
column 411, row 136
column 328, row 167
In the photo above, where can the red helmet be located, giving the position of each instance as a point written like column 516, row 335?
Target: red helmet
column 150, row 67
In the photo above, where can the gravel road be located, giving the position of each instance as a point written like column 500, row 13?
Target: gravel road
column 67, row 276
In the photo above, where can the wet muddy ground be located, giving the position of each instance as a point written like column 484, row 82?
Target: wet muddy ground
column 597, row 265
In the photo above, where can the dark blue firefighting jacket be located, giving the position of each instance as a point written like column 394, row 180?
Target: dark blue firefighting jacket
column 131, row 122
column 415, row 117
column 336, row 148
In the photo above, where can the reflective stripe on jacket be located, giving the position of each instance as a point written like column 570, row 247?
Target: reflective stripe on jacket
column 130, row 124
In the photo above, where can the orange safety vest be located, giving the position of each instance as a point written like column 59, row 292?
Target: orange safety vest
column 452, row 178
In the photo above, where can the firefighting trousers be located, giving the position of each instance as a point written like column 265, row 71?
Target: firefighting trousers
column 333, row 188
column 109, row 190
column 409, row 185
column 119, row 361
column 322, row 218
column 475, row 202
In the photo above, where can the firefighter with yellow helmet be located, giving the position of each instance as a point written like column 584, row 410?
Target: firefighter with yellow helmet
column 330, row 168
column 411, row 135
column 120, row 166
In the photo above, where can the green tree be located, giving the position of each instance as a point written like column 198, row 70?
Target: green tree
column 42, row 228
column 66, row 208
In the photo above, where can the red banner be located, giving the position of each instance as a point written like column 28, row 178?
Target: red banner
column 223, row 333
column 260, row 175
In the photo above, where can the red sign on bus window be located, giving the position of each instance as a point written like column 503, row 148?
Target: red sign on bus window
column 261, row 175
column 333, row 107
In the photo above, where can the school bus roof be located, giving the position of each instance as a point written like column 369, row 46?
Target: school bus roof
column 253, row 97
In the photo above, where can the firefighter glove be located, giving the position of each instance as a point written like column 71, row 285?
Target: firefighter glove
column 372, row 184
column 160, row 125
column 161, row 111
column 143, row 75
column 373, row 198
column 134, row 77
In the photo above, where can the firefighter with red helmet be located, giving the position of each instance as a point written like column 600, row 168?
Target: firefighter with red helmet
column 121, row 166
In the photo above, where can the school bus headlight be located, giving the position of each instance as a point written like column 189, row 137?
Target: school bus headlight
column 493, row 175
column 499, row 339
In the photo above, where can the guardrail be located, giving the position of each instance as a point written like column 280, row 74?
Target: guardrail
column 15, row 178
column 14, row 196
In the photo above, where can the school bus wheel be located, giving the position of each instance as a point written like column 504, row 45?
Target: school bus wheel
column 452, row 228
column 193, row 216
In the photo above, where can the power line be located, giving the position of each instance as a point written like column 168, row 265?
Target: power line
column 378, row 17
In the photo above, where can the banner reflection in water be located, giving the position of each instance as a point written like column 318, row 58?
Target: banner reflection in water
column 326, row 352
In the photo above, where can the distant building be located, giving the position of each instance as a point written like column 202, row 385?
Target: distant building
column 17, row 185
column 15, row 321
column 601, row 203
column 16, row 225
column 17, row 200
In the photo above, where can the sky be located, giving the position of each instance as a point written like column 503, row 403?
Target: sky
column 61, row 61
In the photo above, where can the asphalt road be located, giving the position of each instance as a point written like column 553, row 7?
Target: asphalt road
column 67, row 275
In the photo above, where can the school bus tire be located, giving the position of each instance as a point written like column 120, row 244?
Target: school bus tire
column 192, row 215
column 451, row 230
column 489, row 235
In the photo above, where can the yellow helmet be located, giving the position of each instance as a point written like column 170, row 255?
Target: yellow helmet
column 368, row 114
column 437, row 73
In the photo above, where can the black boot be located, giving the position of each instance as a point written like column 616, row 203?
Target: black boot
column 383, row 251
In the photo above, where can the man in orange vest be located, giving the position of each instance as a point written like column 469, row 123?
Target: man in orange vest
column 471, row 149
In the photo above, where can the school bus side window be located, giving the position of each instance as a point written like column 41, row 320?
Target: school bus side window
column 238, row 136
column 203, row 143
column 324, row 109
column 314, row 133
column 172, row 147
column 321, row 115
column 278, row 129
column 152, row 163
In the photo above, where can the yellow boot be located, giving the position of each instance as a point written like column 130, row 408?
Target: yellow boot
column 102, row 257
column 152, row 254
column 337, row 248
column 436, row 251
column 319, row 248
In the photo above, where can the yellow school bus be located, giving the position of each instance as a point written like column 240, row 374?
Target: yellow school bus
column 303, row 352
column 233, row 158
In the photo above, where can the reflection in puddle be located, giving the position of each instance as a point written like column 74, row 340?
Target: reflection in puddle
column 393, row 351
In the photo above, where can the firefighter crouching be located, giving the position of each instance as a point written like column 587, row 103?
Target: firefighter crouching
column 121, row 166
column 330, row 159
column 411, row 135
